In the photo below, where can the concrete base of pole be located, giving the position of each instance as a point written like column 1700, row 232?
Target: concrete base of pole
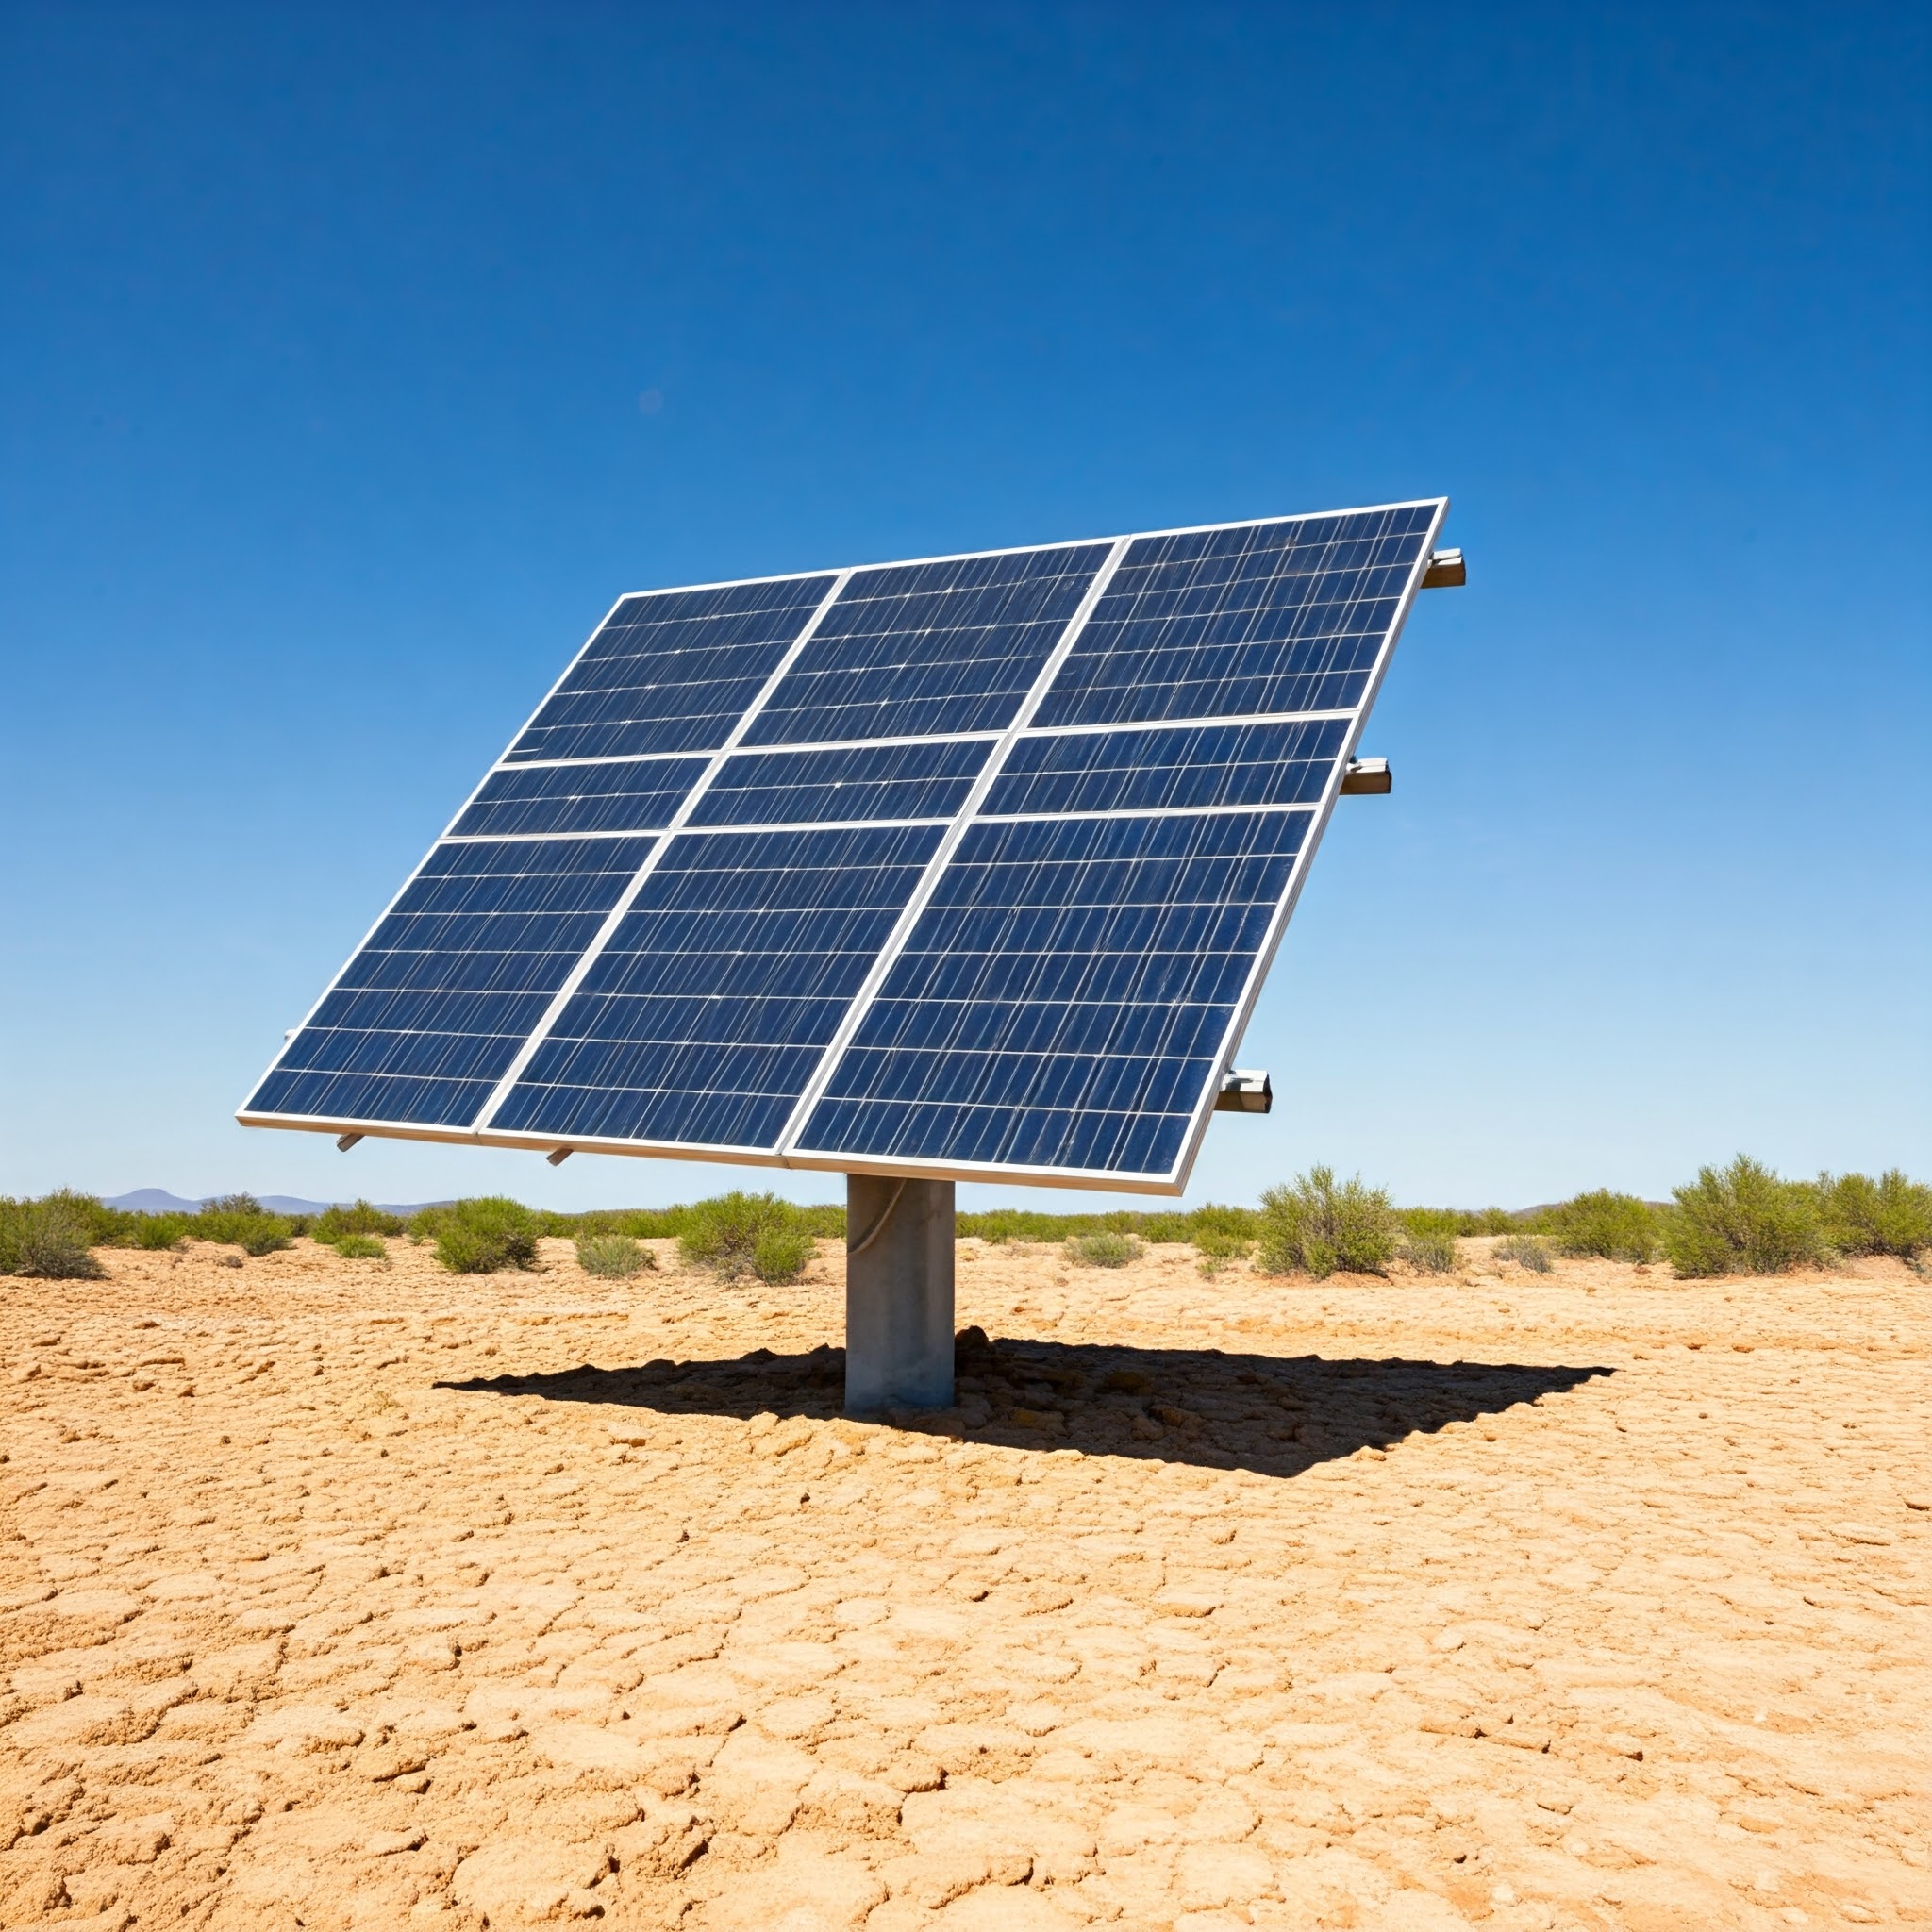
column 898, row 1295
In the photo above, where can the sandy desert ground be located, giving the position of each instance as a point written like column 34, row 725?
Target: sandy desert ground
column 338, row 1594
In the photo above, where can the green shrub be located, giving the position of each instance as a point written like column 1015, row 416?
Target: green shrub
column 1889, row 1216
column 781, row 1254
column 740, row 1234
column 49, row 1238
column 484, row 1235
column 616, row 1255
column 1620, row 1227
column 241, row 1221
column 820, row 1220
column 1221, row 1246
column 639, row 1224
column 1527, row 1251
column 1220, row 1234
column 1104, row 1248
column 157, row 1230
column 360, row 1247
column 1459, row 1221
column 1428, row 1239
column 1743, row 1220
column 1315, row 1226
column 332, row 1224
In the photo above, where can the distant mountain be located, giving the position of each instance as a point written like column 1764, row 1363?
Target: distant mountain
column 153, row 1201
column 158, row 1201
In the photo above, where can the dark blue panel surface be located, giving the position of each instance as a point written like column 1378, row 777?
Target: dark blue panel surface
column 1194, row 765
column 1063, row 1001
column 915, row 649
column 707, row 1014
column 870, row 781
column 671, row 671
column 626, row 797
column 1270, row 618
column 427, row 1018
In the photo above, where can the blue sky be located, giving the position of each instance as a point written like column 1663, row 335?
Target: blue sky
column 354, row 360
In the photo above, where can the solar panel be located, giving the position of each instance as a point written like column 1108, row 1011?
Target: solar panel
column 969, row 867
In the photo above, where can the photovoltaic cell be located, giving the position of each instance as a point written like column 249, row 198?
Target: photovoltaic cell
column 1065, row 994
column 707, row 1014
column 882, row 781
column 915, row 649
column 639, row 796
column 1193, row 766
column 671, row 671
column 1075, row 968
column 1274, row 617
column 427, row 1017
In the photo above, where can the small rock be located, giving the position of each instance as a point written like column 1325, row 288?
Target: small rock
column 383, row 1844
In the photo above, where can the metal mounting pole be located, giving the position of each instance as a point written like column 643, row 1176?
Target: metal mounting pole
column 898, row 1294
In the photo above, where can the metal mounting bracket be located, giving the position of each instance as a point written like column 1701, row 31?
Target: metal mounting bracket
column 1244, row 1090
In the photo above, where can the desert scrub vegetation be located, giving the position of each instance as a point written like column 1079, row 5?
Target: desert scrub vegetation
column 1738, row 1219
column 1427, row 1242
column 241, row 1221
column 1743, row 1220
column 822, row 1221
column 356, row 1232
column 1889, row 1216
column 1105, row 1249
column 1527, row 1251
column 740, row 1234
column 50, row 1237
column 1461, row 1221
column 1214, row 1230
column 615, row 1256
column 481, row 1235
column 359, row 1218
column 1315, row 1225
column 1619, row 1228
column 237, row 1220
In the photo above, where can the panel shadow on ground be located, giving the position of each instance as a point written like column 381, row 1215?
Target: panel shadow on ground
column 1272, row 1415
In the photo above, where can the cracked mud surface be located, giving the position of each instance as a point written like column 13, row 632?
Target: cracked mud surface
column 335, row 1593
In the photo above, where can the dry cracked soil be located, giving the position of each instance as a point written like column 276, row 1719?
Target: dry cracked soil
column 344, row 1593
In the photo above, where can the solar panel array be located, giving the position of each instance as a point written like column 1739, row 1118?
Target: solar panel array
column 963, row 867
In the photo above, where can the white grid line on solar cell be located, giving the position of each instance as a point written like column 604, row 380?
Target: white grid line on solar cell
column 761, row 751
column 567, row 991
column 878, row 825
column 613, row 757
column 1132, row 812
column 793, row 748
column 908, row 917
column 549, row 838
column 1222, row 722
